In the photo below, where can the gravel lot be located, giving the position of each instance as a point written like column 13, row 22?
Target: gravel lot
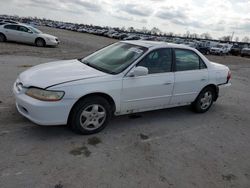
column 165, row 148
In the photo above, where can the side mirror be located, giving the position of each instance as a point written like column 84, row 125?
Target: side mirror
column 29, row 31
column 138, row 71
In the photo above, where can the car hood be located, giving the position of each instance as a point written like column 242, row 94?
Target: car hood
column 54, row 73
column 46, row 35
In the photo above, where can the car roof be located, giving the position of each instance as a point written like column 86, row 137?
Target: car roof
column 155, row 44
column 17, row 24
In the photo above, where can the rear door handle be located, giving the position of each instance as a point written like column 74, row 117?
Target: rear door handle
column 167, row 83
column 203, row 79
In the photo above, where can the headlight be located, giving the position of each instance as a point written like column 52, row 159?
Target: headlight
column 51, row 39
column 44, row 95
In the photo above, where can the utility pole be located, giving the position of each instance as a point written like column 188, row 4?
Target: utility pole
column 232, row 36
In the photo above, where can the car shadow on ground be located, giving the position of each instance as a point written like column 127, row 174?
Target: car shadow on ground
column 117, row 125
column 27, row 44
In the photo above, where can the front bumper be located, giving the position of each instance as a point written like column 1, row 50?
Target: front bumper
column 42, row 112
column 52, row 42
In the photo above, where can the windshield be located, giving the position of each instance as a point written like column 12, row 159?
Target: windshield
column 34, row 30
column 115, row 58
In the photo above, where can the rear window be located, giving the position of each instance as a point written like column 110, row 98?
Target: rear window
column 12, row 27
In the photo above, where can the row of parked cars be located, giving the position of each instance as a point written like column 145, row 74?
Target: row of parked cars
column 204, row 46
column 218, row 48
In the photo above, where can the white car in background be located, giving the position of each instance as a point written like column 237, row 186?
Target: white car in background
column 221, row 49
column 26, row 34
column 123, row 78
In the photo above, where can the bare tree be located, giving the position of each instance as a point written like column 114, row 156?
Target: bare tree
column 131, row 29
column 123, row 28
column 205, row 36
column 245, row 39
column 144, row 30
column 170, row 34
column 226, row 38
column 194, row 35
column 155, row 30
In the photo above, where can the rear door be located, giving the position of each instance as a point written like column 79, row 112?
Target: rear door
column 191, row 75
column 10, row 31
column 151, row 91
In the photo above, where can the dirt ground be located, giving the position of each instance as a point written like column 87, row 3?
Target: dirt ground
column 172, row 148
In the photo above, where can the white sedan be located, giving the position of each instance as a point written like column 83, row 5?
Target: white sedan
column 26, row 34
column 123, row 78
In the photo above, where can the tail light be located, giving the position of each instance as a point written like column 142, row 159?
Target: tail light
column 228, row 76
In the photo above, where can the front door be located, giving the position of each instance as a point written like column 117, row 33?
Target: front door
column 152, row 91
column 25, row 35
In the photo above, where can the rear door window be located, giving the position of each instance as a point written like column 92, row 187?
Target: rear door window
column 11, row 27
column 187, row 60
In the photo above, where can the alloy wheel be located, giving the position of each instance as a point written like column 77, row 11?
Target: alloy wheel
column 92, row 117
column 206, row 100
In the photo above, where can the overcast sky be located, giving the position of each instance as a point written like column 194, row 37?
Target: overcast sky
column 218, row 17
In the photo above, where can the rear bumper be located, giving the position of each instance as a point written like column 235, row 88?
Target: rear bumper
column 223, row 89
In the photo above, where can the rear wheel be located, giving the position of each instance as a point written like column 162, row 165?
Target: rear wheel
column 2, row 37
column 90, row 115
column 204, row 100
column 40, row 42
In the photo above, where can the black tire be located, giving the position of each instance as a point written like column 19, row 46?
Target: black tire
column 77, row 120
column 40, row 42
column 199, row 104
column 2, row 37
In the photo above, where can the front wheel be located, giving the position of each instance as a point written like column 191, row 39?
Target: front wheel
column 90, row 115
column 204, row 100
column 40, row 42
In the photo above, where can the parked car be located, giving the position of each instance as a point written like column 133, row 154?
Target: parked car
column 123, row 78
column 26, row 34
column 9, row 21
column 236, row 50
column 220, row 49
column 132, row 37
column 245, row 52
column 203, row 50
